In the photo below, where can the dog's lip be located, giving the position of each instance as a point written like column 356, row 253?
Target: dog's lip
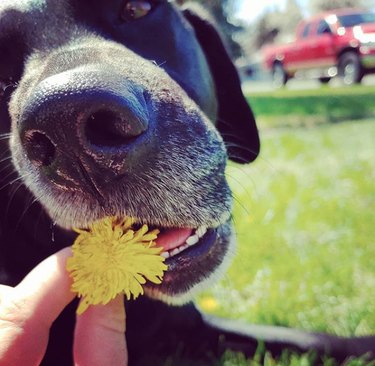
column 203, row 246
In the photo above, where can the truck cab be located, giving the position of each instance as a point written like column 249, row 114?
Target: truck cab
column 335, row 43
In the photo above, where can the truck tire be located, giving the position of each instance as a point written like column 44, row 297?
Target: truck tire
column 324, row 79
column 350, row 69
column 279, row 76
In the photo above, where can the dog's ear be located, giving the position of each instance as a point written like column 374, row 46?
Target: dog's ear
column 235, row 121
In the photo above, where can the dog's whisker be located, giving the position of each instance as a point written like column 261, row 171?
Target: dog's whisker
column 162, row 63
column 227, row 123
column 5, row 167
column 240, row 204
column 37, row 222
column 12, row 194
column 7, row 177
column 245, row 189
column 5, row 159
column 260, row 158
column 5, row 137
column 239, row 168
column 14, row 188
column 231, row 145
column 10, row 183
column 4, row 152
column 28, row 204
column 234, row 144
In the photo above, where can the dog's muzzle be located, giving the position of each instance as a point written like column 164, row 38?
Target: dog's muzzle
column 94, row 117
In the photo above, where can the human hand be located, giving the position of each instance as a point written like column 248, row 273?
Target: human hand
column 28, row 310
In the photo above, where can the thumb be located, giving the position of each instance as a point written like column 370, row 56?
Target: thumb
column 28, row 310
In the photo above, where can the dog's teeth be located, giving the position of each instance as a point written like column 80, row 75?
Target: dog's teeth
column 201, row 231
column 174, row 252
column 192, row 240
column 177, row 250
column 183, row 247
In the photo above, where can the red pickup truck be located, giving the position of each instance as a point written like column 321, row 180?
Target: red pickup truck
column 339, row 42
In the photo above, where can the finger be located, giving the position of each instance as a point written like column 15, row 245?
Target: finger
column 46, row 289
column 100, row 335
column 5, row 292
column 28, row 311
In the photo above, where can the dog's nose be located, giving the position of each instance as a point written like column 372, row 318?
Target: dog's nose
column 94, row 113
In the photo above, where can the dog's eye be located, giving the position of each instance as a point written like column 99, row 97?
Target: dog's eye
column 136, row 9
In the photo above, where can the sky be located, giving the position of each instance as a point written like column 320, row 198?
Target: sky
column 250, row 9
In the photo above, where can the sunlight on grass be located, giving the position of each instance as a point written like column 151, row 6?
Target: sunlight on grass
column 304, row 218
column 286, row 359
column 310, row 107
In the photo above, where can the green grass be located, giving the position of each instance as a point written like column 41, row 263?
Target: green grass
column 286, row 359
column 304, row 217
column 305, row 107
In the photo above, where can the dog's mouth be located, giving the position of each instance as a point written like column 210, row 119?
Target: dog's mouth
column 180, row 244
column 194, row 257
column 177, row 240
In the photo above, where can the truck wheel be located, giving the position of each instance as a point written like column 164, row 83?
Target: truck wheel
column 350, row 69
column 279, row 76
column 325, row 79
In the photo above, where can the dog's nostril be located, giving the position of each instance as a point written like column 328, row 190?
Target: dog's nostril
column 39, row 148
column 107, row 128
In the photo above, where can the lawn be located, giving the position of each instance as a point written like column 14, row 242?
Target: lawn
column 310, row 107
column 304, row 217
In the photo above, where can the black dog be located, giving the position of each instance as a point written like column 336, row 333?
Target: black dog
column 128, row 107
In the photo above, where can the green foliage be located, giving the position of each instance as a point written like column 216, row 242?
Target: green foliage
column 273, row 25
column 322, row 5
column 221, row 10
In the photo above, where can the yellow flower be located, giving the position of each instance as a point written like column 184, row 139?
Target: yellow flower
column 111, row 258
column 209, row 304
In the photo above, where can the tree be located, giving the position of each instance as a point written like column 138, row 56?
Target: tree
column 221, row 11
column 273, row 26
column 266, row 29
column 322, row 5
column 290, row 18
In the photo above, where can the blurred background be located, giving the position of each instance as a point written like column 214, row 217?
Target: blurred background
column 304, row 211
column 249, row 25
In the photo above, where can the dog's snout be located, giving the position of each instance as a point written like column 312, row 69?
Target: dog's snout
column 83, row 113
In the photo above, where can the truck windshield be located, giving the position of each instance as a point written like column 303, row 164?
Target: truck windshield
column 352, row 20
